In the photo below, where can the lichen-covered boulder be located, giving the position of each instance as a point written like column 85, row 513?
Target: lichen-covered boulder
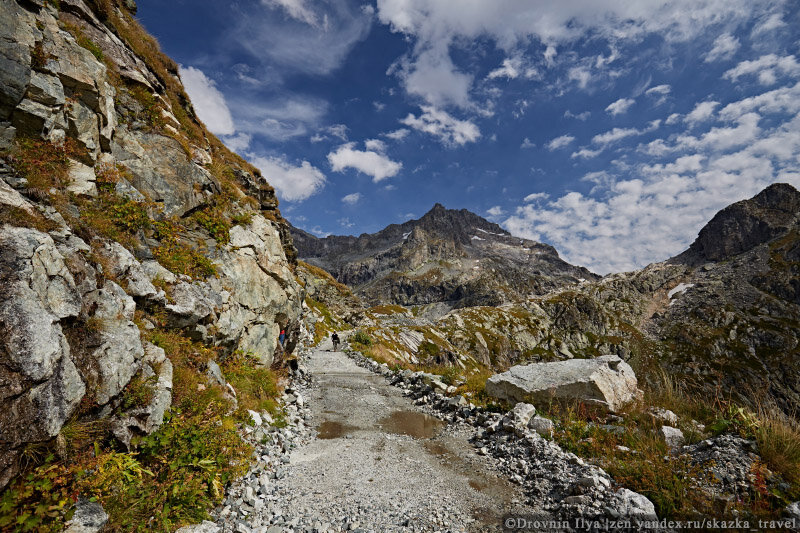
column 115, row 349
column 161, row 169
column 15, row 56
column 123, row 265
column 40, row 386
column 607, row 382
column 143, row 420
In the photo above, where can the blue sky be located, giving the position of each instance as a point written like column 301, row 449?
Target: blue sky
column 611, row 130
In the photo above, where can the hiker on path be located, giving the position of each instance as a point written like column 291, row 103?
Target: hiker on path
column 335, row 339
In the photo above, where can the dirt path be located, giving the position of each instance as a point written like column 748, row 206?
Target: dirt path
column 379, row 464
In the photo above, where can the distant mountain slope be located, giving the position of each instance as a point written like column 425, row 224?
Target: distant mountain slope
column 448, row 256
column 722, row 317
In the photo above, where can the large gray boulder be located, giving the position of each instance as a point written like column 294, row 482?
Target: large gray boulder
column 627, row 504
column 191, row 303
column 11, row 198
column 606, row 381
column 46, row 89
column 84, row 125
column 143, row 420
column 122, row 265
column 263, row 294
column 40, row 386
column 15, row 57
column 161, row 169
column 34, row 119
column 116, row 354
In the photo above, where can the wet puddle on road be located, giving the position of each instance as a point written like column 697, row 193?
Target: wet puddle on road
column 333, row 430
column 438, row 449
column 412, row 423
column 477, row 485
column 488, row 484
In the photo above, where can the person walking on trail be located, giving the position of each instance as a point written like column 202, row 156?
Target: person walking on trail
column 335, row 339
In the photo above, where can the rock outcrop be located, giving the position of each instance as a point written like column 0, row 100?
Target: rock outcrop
column 140, row 219
column 606, row 382
column 744, row 225
column 40, row 384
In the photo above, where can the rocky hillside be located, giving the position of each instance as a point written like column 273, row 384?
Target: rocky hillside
column 450, row 257
column 134, row 247
column 721, row 318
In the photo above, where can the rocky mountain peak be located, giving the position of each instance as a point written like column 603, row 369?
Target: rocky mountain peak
column 746, row 224
column 458, row 224
column 446, row 256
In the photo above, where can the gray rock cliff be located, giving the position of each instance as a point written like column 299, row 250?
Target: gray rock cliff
column 143, row 219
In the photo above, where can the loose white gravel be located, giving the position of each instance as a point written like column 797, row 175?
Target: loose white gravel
column 369, row 476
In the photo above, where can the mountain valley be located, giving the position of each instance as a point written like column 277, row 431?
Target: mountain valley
column 165, row 352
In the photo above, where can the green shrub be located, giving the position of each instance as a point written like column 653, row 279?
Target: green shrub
column 242, row 219
column 450, row 375
column 42, row 164
column 38, row 56
column 256, row 385
column 669, row 482
column 428, row 349
column 90, row 45
column 15, row 216
column 177, row 256
column 39, row 501
column 360, row 337
column 138, row 392
column 215, row 223
column 191, row 459
column 778, row 439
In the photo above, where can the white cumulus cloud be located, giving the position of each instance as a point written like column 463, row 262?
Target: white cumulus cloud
column 368, row 162
column 659, row 90
column 208, row 101
column 509, row 69
column 237, row 143
column 397, row 135
column 436, row 27
column 448, row 129
column 614, row 135
column 560, row 142
column 579, row 116
column 375, row 145
column 701, row 112
column 512, row 68
column 653, row 207
column 620, row 106
column 294, row 183
column 535, row 196
column 724, row 47
column 770, row 23
column 297, row 9
column 767, row 67
column 352, row 199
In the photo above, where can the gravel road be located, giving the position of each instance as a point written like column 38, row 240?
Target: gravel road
column 380, row 464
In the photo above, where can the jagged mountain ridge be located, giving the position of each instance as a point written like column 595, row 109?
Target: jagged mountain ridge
column 447, row 256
